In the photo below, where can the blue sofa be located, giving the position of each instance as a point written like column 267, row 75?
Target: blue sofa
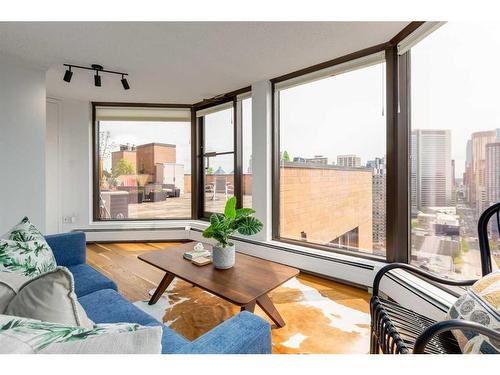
column 245, row 333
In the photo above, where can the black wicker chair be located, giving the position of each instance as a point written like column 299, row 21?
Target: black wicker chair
column 399, row 330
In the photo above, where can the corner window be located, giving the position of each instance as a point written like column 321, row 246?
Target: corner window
column 142, row 167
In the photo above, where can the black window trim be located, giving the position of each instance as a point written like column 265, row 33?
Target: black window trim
column 95, row 159
column 198, row 122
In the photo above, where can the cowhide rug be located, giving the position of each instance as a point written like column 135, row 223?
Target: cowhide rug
column 315, row 322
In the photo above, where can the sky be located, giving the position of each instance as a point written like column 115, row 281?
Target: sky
column 338, row 115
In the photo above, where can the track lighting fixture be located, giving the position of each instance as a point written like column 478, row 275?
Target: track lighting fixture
column 97, row 78
column 68, row 74
column 125, row 83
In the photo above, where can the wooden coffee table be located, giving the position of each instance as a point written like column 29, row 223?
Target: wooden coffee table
column 245, row 285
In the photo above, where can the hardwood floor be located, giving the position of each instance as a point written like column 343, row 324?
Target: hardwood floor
column 119, row 262
column 322, row 316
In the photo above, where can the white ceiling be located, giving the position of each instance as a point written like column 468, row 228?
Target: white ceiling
column 181, row 62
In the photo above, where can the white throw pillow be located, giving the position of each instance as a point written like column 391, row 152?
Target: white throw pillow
column 9, row 286
column 49, row 297
column 27, row 336
column 24, row 250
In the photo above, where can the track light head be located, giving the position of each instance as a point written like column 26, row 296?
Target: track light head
column 67, row 75
column 125, row 84
column 97, row 79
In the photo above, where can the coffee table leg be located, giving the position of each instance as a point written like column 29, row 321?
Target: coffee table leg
column 267, row 305
column 164, row 283
column 250, row 307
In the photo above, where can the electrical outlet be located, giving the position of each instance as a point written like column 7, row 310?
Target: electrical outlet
column 67, row 219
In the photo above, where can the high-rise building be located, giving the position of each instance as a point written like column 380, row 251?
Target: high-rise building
column 379, row 171
column 348, row 161
column 477, row 180
column 431, row 169
column 453, row 184
column 467, row 179
column 492, row 173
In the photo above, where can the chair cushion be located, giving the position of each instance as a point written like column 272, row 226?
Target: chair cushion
column 480, row 304
column 88, row 280
column 107, row 306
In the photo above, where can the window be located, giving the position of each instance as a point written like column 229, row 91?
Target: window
column 332, row 151
column 226, row 153
column 143, row 163
column 455, row 146
column 218, row 156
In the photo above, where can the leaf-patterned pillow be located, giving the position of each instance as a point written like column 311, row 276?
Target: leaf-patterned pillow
column 21, row 335
column 30, row 258
column 24, row 250
column 24, row 231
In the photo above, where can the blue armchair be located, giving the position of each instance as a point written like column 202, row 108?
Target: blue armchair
column 244, row 333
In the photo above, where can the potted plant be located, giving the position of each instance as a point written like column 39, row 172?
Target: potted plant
column 233, row 220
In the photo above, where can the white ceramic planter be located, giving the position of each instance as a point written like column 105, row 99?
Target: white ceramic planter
column 223, row 257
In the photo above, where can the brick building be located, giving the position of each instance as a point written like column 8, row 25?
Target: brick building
column 145, row 157
column 327, row 204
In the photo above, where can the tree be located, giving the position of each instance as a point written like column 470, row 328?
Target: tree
column 210, row 170
column 123, row 167
column 286, row 157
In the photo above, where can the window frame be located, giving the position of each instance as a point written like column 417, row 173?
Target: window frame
column 95, row 159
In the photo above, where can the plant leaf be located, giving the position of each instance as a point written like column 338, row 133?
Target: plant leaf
column 216, row 219
column 249, row 225
column 209, row 232
column 230, row 209
column 244, row 212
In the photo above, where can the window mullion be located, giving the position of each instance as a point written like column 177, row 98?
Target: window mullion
column 397, row 218
column 238, row 153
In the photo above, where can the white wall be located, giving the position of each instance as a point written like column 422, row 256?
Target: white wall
column 261, row 156
column 22, row 144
